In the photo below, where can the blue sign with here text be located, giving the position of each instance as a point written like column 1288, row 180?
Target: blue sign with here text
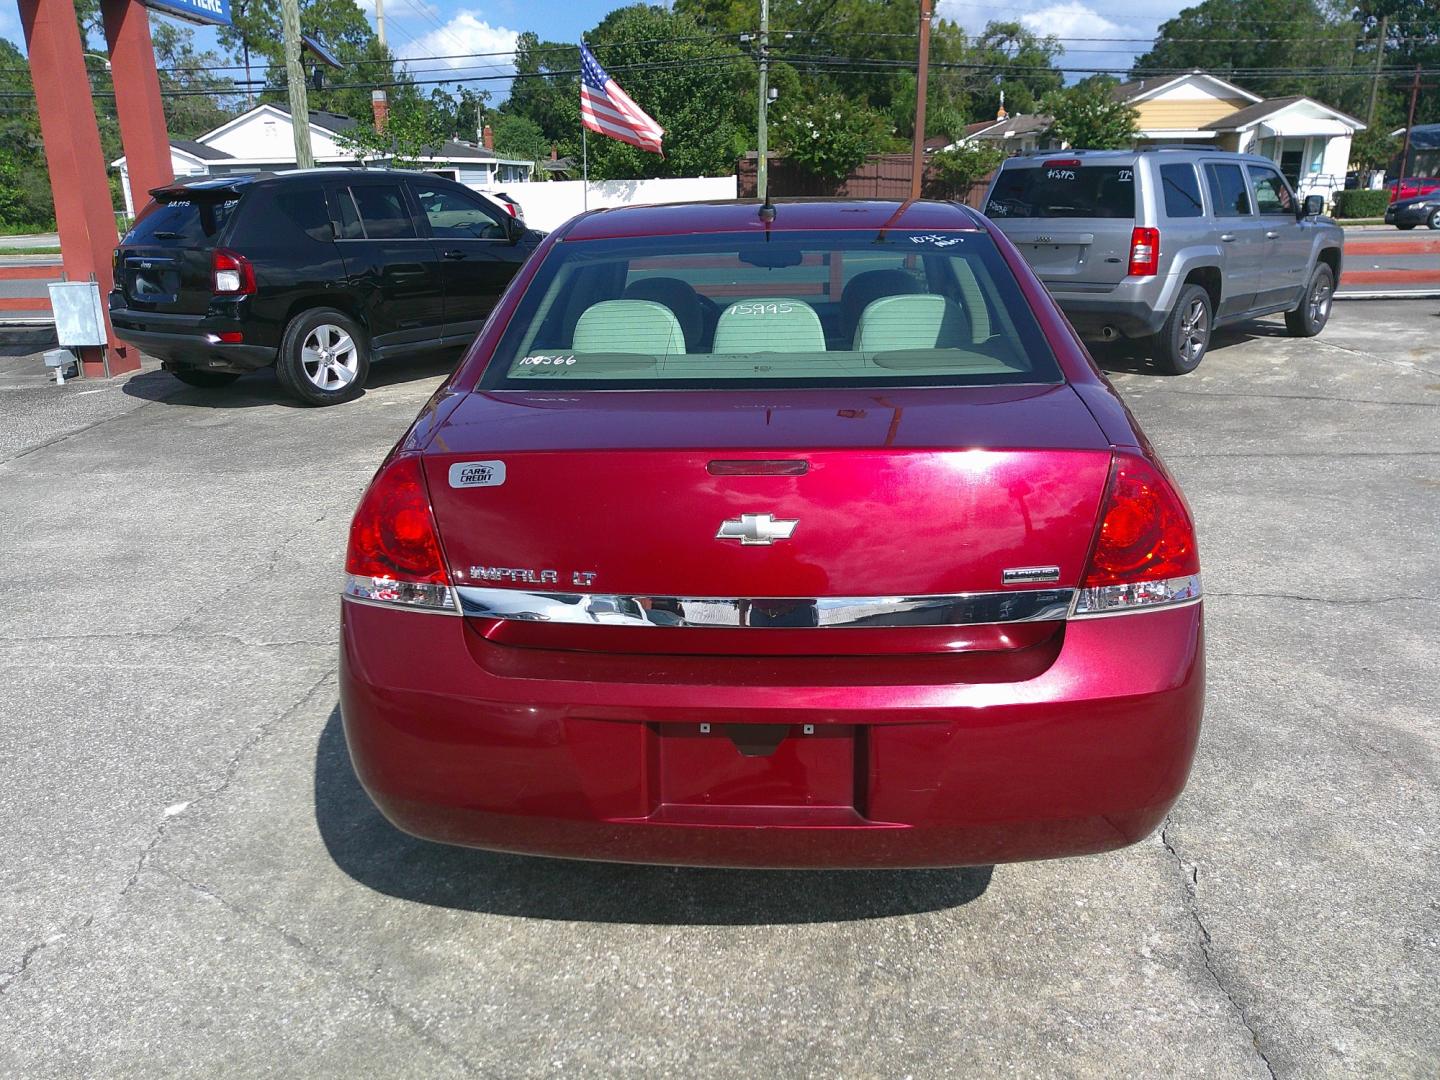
column 215, row 12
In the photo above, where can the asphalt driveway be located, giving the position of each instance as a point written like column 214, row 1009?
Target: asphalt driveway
column 192, row 883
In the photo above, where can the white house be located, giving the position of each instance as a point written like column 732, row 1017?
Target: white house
column 1309, row 141
column 262, row 140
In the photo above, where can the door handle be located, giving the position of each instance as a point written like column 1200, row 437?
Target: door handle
column 453, row 254
column 1228, row 237
column 1272, row 236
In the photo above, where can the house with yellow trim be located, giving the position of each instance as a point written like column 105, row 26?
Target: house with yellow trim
column 1308, row 140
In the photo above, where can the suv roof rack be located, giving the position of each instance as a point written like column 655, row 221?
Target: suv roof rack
column 1176, row 146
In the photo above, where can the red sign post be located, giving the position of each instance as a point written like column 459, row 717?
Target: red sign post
column 84, row 213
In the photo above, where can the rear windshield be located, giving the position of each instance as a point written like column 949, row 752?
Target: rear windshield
column 797, row 309
column 182, row 222
column 1064, row 191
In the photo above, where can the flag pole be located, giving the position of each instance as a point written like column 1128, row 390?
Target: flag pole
column 584, row 157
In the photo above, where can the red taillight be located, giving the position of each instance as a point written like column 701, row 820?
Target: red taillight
column 1062, row 163
column 1144, row 251
column 231, row 274
column 394, row 553
column 1145, row 552
column 1145, row 531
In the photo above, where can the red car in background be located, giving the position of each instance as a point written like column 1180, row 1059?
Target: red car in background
column 1411, row 186
column 791, row 536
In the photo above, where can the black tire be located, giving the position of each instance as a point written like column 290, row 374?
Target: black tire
column 1433, row 221
column 1182, row 341
column 1404, row 228
column 324, row 357
column 1310, row 317
column 206, row 380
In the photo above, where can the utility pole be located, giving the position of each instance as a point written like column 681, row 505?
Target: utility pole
column 922, row 82
column 380, row 21
column 1410, row 123
column 762, row 149
column 295, row 81
column 1374, row 82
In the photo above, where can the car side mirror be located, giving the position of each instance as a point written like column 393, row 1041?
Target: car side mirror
column 1313, row 206
column 514, row 229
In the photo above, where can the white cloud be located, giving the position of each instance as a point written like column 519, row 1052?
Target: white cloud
column 465, row 33
column 1071, row 20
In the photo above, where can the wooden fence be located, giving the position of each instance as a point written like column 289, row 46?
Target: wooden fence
column 880, row 176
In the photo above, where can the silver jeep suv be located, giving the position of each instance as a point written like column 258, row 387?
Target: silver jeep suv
column 1168, row 243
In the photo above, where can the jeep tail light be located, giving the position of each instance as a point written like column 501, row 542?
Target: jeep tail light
column 394, row 554
column 1144, row 552
column 231, row 273
column 1144, row 251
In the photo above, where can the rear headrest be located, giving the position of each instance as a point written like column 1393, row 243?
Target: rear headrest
column 863, row 289
column 628, row 326
column 679, row 297
column 911, row 322
column 769, row 324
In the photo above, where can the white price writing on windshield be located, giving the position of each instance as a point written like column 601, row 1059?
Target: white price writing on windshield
column 1059, row 174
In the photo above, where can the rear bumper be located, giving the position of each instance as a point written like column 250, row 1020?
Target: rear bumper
column 553, row 753
column 185, row 340
column 1136, row 307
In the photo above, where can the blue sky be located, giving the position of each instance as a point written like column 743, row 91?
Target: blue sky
column 1095, row 33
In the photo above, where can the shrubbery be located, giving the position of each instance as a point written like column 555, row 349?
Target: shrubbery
column 1361, row 204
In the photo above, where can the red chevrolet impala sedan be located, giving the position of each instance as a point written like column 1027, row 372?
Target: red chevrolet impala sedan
column 793, row 536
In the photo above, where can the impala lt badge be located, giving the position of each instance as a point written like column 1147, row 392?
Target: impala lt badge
column 751, row 529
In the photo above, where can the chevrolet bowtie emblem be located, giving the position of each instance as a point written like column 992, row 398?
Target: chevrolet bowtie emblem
column 757, row 529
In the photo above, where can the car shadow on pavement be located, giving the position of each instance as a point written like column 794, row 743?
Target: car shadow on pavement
column 1133, row 357
column 377, row 855
column 261, row 387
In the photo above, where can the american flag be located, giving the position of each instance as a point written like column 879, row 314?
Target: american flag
column 605, row 108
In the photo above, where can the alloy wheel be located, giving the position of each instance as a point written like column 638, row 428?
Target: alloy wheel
column 1320, row 302
column 1194, row 332
column 329, row 357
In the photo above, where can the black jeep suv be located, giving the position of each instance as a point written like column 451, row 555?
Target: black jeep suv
column 315, row 271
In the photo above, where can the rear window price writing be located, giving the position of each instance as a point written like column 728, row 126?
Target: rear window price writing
column 551, row 361
column 760, row 309
column 1126, row 175
column 1059, row 174
column 939, row 240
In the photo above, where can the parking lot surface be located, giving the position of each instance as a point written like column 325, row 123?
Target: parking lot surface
column 192, row 882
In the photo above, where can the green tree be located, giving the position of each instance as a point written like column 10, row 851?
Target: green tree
column 414, row 130
column 1373, row 148
column 685, row 82
column 342, row 26
column 1278, row 44
column 1088, row 117
column 519, row 137
column 1022, row 67
column 830, row 135
column 547, row 91
column 195, row 99
column 967, row 162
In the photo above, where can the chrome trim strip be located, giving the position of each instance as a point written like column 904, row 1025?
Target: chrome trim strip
column 714, row 612
column 399, row 595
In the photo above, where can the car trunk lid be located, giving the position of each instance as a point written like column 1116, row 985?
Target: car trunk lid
column 896, row 495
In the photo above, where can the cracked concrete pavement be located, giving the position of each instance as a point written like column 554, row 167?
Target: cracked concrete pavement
column 192, row 882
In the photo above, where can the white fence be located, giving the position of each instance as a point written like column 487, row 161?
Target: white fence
column 548, row 205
